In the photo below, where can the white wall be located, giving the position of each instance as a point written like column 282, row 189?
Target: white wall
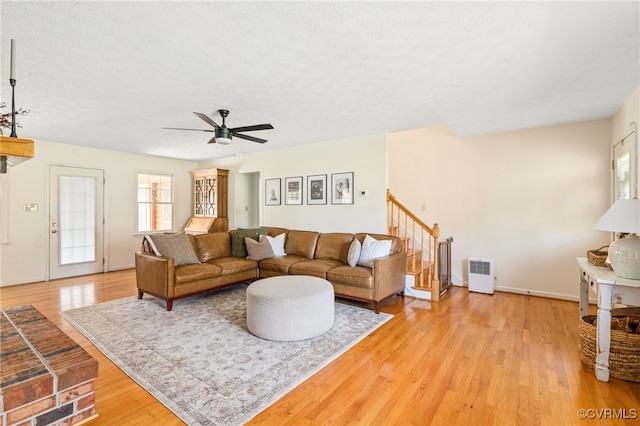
column 527, row 199
column 24, row 251
column 364, row 156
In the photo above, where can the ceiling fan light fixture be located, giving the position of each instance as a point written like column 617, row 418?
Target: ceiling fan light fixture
column 223, row 135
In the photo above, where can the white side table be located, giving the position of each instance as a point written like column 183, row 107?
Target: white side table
column 610, row 289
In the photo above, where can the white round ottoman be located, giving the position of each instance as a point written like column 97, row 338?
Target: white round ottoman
column 292, row 307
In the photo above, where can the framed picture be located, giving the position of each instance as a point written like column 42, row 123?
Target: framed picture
column 293, row 190
column 342, row 188
column 317, row 189
column 272, row 192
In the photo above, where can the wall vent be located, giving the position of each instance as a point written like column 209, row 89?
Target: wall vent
column 481, row 275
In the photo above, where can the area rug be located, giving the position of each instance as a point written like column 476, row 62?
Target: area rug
column 201, row 361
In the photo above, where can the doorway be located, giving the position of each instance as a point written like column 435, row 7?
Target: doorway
column 76, row 221
column 247, row 213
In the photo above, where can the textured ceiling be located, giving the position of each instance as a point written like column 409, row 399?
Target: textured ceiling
column 112, row 74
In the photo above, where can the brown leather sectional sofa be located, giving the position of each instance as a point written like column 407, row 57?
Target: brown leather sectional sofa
column 307, row 253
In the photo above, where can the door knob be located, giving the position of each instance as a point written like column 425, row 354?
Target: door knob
column 53, row 231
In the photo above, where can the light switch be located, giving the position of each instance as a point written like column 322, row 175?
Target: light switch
column 31, row 207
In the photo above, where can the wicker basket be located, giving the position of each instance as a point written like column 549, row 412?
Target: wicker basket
column 624, row 353
column 598, row 257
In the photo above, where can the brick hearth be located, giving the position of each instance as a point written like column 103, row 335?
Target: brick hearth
column 46, row 378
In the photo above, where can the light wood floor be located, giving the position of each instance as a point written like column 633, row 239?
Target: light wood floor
column 470, row 359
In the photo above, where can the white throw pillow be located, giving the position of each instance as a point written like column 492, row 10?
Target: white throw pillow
column 354, row 253
column 277, row 244
column 373, row 249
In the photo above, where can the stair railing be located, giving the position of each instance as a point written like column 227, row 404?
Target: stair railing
column 420, row 242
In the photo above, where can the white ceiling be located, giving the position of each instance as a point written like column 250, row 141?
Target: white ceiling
column 112, row 74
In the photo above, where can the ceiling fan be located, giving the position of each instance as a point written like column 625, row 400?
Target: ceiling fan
column 222, row 133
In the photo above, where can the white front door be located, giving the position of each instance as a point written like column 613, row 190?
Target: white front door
column 76, row 221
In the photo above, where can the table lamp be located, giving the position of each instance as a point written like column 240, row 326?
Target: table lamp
column 624, row 253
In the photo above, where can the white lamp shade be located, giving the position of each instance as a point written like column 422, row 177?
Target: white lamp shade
column 623, row 216
column 223, row 141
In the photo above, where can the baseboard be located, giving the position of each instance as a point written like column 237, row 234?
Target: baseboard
column 410, row 290
column 538, row 293
column 549, row 295
column 27, row 281
column 456, row 280
column 121, row 268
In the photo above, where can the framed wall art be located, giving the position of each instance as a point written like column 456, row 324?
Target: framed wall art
column 293, row 190
column 272, row 192
column 317, row 189
column 342, row 188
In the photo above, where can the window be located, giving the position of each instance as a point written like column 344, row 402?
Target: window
column 622, row 175
column 155, row 202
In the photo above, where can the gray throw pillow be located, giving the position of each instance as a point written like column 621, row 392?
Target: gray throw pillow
column 175, row 245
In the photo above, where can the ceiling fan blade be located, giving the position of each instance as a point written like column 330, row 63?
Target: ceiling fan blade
column 251, row 128
column 213, row 140
column 249, row 138
column 182, row 128
column 206, row 119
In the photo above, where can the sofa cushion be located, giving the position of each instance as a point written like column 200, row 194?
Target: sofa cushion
column 301, row 243
column 354, row 253
column 233, row 265
column 212, row 245
column 333, row 246
column 254, row 232
column 358, row 276
column 175, row 245
column 238, row 245
column 276, row 243
column 273, row 231
column 280, row 265
column 194, row 272
column 315, row 268
column 258, row 250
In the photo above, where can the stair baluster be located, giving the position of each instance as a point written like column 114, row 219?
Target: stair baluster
column 422, row 256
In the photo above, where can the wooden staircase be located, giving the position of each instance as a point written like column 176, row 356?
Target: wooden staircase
column 420, row 242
